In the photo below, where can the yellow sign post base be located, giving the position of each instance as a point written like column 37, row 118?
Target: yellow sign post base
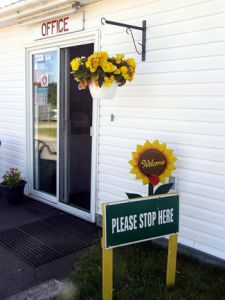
column 107, row 267
column 171, row 260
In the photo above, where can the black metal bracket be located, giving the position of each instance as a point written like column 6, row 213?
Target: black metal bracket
column 129, row 31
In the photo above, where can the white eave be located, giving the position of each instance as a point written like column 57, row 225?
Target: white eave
column 23, row 10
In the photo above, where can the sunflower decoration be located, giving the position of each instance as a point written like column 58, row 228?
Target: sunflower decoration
column 152, row 163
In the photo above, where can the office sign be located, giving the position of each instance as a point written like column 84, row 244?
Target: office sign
column 142, row 219
column 59, row 26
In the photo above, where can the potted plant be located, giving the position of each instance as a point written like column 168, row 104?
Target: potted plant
column 12, row 186
column 102, row 73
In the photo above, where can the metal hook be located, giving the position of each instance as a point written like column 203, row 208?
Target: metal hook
column 129, row 31
column 103, row 21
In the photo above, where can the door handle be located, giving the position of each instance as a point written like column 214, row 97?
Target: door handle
column 91, row 131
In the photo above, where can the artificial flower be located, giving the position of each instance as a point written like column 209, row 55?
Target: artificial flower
column 75, row 63
column 109, row 80
column 102, row 69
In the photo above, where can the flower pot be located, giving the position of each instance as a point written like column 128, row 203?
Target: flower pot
column 13, row 194
column 103, row 92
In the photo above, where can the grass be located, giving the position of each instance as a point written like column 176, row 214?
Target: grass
column 48, row 132
column 140, row 272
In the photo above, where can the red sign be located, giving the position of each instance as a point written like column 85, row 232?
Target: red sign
column 44, row 80
column 54, row 27
column 59, row 26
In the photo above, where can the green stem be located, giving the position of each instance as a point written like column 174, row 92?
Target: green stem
column 150, row 189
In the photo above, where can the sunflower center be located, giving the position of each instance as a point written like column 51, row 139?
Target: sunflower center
column 152, row 162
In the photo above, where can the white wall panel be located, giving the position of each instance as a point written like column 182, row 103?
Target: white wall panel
column 12, row 99
column 178, row 96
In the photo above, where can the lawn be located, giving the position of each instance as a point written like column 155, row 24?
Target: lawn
column 47, row 128
column 140, row 272
column 48, row 132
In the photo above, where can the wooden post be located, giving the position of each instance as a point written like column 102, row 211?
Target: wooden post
column 107, row 266
column 171, row 260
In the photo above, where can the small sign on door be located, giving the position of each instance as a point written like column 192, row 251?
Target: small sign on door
column 44, row 80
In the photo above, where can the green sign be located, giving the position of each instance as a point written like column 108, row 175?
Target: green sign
column 141, row 219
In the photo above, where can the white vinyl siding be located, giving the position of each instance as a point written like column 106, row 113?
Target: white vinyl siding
column 177, row 96
column 12, row 100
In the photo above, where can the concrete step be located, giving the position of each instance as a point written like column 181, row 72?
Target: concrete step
column 47, row 290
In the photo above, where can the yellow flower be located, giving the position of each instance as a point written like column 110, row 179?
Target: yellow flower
column 131, row 62
column 117, row 72
column 126, row 76
column 92, row 63
column 75, row 63
column 124, row 71
column 108, row 67
column 131, row 77
column 113, row 67
column 103, row 56
column 119, row 58
column 109, row 80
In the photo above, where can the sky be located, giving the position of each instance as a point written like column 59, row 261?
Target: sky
column 8, row 2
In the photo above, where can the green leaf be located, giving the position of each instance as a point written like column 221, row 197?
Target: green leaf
column 163, row 189
column 133, row 196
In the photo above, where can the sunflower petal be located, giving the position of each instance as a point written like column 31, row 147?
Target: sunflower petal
column 173, row 159
column 171, row 167
column 169, row 152
column 134, row 154
column 139, row 175
column 167, row 173
column 133, row 162
column 147, row 145
column 145, row 180
column 155, row 143
column 139, row 148
column 134, row 171
column 162, row 178
column 163, row 146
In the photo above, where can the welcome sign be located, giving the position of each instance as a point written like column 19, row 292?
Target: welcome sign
column 137, row 220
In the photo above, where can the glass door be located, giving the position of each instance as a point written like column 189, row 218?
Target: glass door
column 75, row 132
column 45, row 121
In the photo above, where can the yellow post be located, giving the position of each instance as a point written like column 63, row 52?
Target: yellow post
column 171, row 260
column 107, row 266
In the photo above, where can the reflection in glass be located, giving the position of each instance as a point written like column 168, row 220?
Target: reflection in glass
column 45, row 121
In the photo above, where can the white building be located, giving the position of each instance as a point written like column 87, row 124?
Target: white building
column 177, row 96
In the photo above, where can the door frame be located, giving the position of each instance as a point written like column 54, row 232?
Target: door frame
column 58, row 43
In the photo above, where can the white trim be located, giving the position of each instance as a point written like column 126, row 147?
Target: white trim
column 94, row 158
column 49, row 198
column 95, row 143
column 68, row 40
column 30, row 132
column 63, row 207
column 55, row 44
column 58, row 126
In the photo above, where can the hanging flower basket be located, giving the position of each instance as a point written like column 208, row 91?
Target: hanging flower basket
column 102, row 74
column 103, row 92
